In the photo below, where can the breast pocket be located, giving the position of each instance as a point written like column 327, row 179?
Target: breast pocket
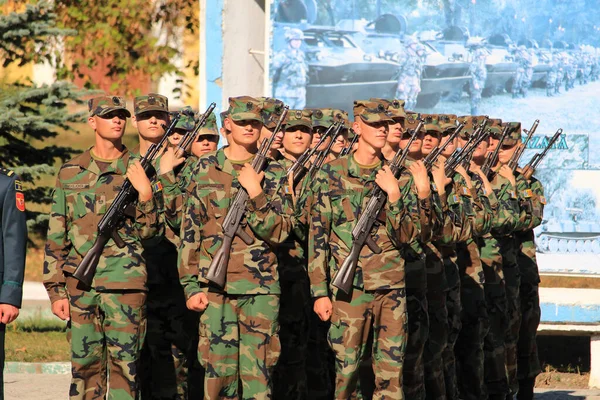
column 342, row 209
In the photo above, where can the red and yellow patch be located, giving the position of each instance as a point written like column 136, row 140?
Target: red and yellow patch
column 20, row 201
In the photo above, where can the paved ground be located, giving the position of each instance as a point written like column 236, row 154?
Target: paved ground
column 56, row 386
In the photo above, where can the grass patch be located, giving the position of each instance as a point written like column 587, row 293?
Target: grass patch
column 37, row 346
column 37, row 323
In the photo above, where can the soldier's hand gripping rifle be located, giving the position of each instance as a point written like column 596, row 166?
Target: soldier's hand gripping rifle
column 435, row 153
column 299, row 168
column 529, row 169
column 217, row 271
column 116, row 213
column 492, row 158
column 513, row 163
column 184, row 147
column 348, row 149
column 322, row 155
column 361, row 234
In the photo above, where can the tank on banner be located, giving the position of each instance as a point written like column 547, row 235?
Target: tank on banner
column 515, row 60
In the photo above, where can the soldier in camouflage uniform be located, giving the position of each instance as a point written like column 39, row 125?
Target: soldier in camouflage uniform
column 478, row 73
column 505, row 221
column 170, row 335
column 528, row 363
column 289, row 71
column 377, row 300
column 474, row 321
column 239, row 334
column 409, row 72
column 271, row 112
column 289, row 376
column 524, row 72
column 107, row 320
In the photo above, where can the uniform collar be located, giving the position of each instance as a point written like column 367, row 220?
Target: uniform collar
column 118, row 166
column 225, row 165
column 354, row 168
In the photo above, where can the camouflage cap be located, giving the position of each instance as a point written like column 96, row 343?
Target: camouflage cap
column 293, row 34
column 298, row 117
column 394, row 107
column 471, row 122
column 447, row 121
column 412, row 121
column 514, row 135
column 271, row 110
column 431, row 123
column 210, row 128
column 186, row 120
column 325, row 117
column 495, row 127
column 104, row 104
column 150, row 102
column 223, row 115
column 371, row 111
column 245, row 108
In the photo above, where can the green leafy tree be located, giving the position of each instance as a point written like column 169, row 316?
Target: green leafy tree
column 30, row 114
column 131, row 38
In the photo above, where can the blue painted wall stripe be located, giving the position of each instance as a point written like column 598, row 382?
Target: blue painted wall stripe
column 214, row 52
column 570, row 313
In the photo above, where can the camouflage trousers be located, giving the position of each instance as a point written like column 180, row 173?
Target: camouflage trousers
column 408, row 90
column 494, row 343
column 418, row 331
column 474, row 320
column 353, row 318
column 475, row 95
column 170, row 349
column 239, row 345
column 106, row 332
column 513, row 301
column 453, row 305
column 320, row 364
column 528, row 362
column 290, row 375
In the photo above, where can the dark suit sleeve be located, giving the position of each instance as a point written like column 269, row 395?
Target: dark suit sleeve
column 14, row 240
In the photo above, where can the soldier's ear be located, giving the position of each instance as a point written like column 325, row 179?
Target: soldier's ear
column 356, row 126
column 227, row 124
column 92, row 122
column 134, row 121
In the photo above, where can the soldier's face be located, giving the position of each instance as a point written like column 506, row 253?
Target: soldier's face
column 395, row 131
column 150, row 124
column 317, row 133
column 415, row 147
column 244, row 132
column 430, row 141
column 451, row 147
column 493, row 144
column 205, row 144
column 506, row 152
column 373, row 134
column 296, row 140
column 266, row 133
column 340, row 143
column 295, row 43
column 482, row 149
column 461, row 142
column 175, row 137
column 110, row 126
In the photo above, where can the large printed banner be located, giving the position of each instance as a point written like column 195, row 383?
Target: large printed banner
column 509, row 59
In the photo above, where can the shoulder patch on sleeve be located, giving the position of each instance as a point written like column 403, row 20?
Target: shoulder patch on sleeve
column 20, row 200
column 157, row 187
column 18, row 186
column 543, row 200
column 527, row 193
column 6, row 171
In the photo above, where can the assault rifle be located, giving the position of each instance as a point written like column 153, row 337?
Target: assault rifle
column 459, row 154
column 435, row 153
column 514, row 160
column 298, row 168
column 348, row 149
column 184, row 147
column 492, row 158
column 361, row 234
column 217, row 271
column 529, row 169
column 115, row 215
column 322, row 155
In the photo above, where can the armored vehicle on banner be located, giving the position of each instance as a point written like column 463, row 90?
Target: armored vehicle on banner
column 575, row 234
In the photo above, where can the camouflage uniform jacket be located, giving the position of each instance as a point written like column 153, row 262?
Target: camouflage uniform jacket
column 252, row 268
column 485, row 206
column 82, row 196
column 174, row 187
column 340, row 192
column 530, row 208
column 289, row 72
column 410, row 64
column 477, row 68
column 526, row 258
